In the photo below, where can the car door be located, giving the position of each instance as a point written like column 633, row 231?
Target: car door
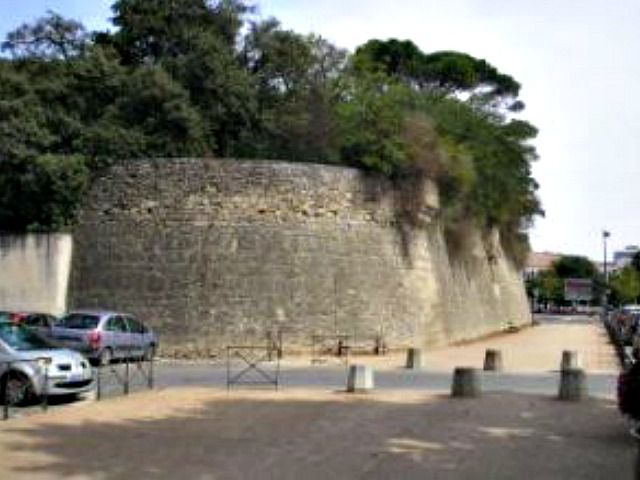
column 116, row 336
column 136, row 336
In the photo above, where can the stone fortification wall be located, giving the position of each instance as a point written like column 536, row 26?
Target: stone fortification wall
column 214, row 251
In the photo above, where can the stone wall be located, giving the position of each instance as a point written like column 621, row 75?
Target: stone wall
column 218, row 251
column 34, row 271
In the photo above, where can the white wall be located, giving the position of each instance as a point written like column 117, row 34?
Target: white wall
column 34, row 272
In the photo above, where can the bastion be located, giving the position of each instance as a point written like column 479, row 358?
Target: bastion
column 211, row 252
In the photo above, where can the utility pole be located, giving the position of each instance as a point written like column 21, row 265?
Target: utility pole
column 605, row 295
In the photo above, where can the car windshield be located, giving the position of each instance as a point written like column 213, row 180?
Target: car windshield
column 79, row 321
column 21, row 338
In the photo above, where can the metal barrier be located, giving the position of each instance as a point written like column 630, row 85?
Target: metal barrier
column 323, row 347
column 252, row 359
column 10, row 372
column 131, row 370
column 275, row 344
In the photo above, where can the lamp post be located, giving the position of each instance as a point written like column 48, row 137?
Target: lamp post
column 605, row 297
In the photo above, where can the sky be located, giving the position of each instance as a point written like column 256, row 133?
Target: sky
column 578, row 64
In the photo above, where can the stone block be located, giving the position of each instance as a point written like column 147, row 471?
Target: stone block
column 573, row 385
column 360, row 378
column 571, row 359
column 414, row 359
column 493, row 360
column 465, row 383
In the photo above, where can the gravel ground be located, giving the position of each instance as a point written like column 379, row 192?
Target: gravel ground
column 196, row 433
column 406, row 429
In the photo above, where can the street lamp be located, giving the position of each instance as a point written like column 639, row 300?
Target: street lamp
column 605, row 297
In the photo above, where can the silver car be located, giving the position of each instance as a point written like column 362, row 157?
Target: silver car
column 30, row 367
column 103, row 336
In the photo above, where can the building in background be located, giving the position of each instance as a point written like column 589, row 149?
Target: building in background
column 622, row 258
column 539, row 262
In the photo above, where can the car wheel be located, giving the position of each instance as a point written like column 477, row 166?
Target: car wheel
column 18, row 389
column 106, row 356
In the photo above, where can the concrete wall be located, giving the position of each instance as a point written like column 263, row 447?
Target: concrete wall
column 211, row 251
column 34, row 272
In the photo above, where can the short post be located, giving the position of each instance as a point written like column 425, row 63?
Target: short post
column 280, row 351
column 493, row 360
column 98, row 382
column 573, row 385
column 150, row 379
column 45, row 390
column 465, row 383
column 414, row 358
column 5, row 396
column 570, row 360
column 360, row 378
column 126, row 376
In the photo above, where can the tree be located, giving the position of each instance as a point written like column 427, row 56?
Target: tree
column 152, row 117
column 573, row 266
column 150, row 31
column 448, row 72
column 550, row 287
column 294, row 76
column 625, row 285
column 51, row 37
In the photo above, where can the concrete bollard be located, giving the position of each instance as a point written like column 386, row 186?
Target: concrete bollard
column 573, row 385
column 570, row 360
column 360, row 378
column 493, row 360
column 465, row 382
column 414, row 358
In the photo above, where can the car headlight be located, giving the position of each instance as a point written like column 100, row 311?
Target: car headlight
column 43, row 362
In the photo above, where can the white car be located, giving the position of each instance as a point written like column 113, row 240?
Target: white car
column 30, row 367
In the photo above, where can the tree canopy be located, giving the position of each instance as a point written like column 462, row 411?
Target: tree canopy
column 206, row 78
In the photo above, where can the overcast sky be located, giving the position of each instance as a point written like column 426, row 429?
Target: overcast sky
column 577, row 60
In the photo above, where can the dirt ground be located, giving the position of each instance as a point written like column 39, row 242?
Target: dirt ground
column 212, row 434
column 533, row 349
column 200, row 433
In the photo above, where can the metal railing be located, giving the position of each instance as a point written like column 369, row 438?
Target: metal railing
column 127, row 372
column 255, row 366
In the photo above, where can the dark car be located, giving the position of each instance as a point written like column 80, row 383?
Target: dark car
column 41, row 323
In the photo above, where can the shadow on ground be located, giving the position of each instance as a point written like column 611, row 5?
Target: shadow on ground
column 499, row 436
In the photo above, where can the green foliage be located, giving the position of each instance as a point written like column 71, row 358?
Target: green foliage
column 50, row 37
column 550, row 287
column 193, row 77
column 371, row 123
column 446, row 72
column 41, row 194
column 574, row 266
column 625, row 285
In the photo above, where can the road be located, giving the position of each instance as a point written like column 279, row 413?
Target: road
column 334, row 378
column 542, row 381
column 584, row 330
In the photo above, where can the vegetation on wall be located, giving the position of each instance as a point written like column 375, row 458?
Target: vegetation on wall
column 200, row 78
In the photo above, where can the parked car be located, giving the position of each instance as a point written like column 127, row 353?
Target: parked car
column 41, row 323
column 105, row 336
column 30, row 366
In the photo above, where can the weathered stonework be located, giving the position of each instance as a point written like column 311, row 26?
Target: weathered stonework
column 214, row 251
